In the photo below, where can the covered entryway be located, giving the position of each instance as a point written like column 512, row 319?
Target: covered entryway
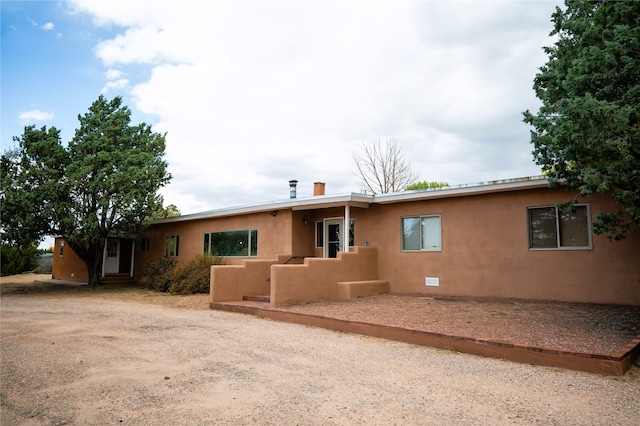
column 118, row 257
column 112, row 260
column 333, row 238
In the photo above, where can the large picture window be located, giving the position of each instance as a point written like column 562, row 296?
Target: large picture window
column 553, row 228
column 421, row 233
column 243, row 243
column 171, row 245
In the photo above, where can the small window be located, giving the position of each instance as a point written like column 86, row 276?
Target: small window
column 172, row 246
column 61, row 250
column 319, row 234
column 242, row 243
column 352, row 232
column 421, row 233
column 551, row 227
column 142, row 245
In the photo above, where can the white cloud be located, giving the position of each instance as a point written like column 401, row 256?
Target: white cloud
column 254, row 93
column 35, row 115
column 48, row 26
column 115, row 84
column 114, row 74
column 116, row 80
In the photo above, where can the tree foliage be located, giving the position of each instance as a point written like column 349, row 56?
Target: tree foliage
column 424, row 185
column 102, row 183
column 160, row 211
column 587, row 131
column 382, row 167
column 16, row 260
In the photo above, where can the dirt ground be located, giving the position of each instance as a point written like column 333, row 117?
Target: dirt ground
column 70, row 355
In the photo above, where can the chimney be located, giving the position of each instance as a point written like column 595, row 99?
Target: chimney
column 318, row 188
column 292, row 188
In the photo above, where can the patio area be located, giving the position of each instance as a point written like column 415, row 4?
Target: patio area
column 603, row 339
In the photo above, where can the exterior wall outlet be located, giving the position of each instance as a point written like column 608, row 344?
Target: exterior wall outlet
column 432, row 282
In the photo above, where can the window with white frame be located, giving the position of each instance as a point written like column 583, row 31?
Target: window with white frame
column 421, row 233
column 243, row 243
column 172, row 245
column 551, row 227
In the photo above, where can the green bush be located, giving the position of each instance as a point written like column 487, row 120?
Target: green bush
column 158, row 273
column 16, row 260
column 193, row 276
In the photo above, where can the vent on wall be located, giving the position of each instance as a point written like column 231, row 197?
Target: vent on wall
column 432, row 282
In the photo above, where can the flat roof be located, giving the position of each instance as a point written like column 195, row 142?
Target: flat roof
column 364, row 200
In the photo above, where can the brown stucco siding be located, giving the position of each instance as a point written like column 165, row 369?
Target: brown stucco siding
column 317, row 278
column 68, row 267
column 485, row 248
column 485, row 252
column 274, row 236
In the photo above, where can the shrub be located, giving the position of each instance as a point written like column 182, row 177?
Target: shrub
column 193, row 276
column 16, row 260
column 158, row 274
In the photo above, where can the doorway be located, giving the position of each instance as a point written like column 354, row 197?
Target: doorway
column 112, row 262
column 333, row 237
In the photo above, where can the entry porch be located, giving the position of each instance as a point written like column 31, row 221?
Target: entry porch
column 280, row 282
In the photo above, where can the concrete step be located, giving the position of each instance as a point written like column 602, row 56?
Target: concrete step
column 118, row 279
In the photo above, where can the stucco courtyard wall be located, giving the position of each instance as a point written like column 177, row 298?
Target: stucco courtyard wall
column 317, row 278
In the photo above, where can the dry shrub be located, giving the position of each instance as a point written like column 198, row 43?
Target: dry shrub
column 193, row 276
column 158, row 274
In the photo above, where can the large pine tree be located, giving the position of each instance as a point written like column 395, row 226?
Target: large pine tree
column 103, row 182
column 587, row 131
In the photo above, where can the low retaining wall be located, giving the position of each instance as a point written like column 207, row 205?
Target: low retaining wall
column 317, row 278
column 610, row 365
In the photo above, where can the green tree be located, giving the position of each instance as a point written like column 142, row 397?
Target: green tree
column 587, row 130
column 424, row 185
column 103, row 183
column 160, row 211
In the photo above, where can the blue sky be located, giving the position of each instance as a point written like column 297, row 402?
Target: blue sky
column 253, row 93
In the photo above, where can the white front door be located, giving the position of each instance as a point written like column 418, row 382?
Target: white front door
column 112, row 265
column 333, row 237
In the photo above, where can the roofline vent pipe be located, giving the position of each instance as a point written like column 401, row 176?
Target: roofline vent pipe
column 292, row 188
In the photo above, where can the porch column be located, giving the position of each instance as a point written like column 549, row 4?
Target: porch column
column 133, row 257
column 346, row 228
column 104, row 258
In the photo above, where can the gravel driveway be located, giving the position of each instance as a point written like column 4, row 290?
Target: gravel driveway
column 68, row 359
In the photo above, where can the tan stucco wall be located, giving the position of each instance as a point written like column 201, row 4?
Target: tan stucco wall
column 484, row 249
column 233, row 282
column 274, row 236
column 317, row 278
column 68, row 267
column 485, row 252
column 303, row 233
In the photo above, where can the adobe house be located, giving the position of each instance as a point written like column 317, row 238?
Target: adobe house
column 503, row 239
